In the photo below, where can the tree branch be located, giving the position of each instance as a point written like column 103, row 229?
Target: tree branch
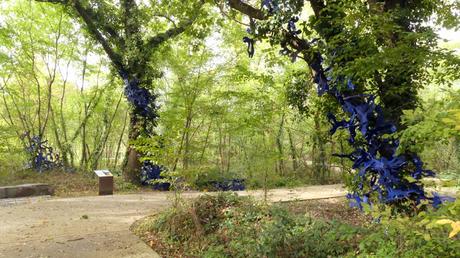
column 228, row 16
column 87, row 16
column 317, row 6
column 130, row 18
column 173, row 32
column 247, row 9
column 114, row 57
column 167, row 18
column 53, row 1
column 105, row 27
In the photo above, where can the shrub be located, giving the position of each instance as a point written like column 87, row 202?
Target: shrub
column 225, row 225
column 419, row 236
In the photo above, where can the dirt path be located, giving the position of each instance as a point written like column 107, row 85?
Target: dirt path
column 98, row 226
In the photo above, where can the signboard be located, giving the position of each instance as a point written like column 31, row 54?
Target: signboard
column 105, row 181
column 102, row 173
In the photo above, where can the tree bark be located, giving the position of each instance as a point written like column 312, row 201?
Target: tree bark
column 293, row 151
column 132, row 165
column 279, row 144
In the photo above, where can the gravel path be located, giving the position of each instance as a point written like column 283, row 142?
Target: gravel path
column 98, row 226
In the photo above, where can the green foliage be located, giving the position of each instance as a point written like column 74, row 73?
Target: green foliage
column 55, row 84
column 228, row 226
column 122, row 186
column 288, row 236
column 228, row 117
column 387, row 48
column 431, row 130
column 420, row 236
column 204, row 216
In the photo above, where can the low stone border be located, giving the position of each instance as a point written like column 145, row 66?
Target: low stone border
column 25, row 190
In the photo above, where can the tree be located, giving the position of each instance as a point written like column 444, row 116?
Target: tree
column 40, row 95
column 126, row 31
column 368, row 41
column 360, row 52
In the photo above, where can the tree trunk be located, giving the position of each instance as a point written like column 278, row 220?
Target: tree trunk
column 279, row 144
column 131, row 172
column 205, row 146
column 319, row 153
column 120, row 140
column 132, row 165
column 221, row 151
column 293, row 151
column 229, row 152
column 188, row 127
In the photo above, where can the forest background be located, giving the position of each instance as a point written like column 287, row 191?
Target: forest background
column 221, row 114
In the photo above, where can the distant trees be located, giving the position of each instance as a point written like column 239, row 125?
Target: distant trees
column 223, row 115
column 218, row 113
column 50, row 90
column 130, row 33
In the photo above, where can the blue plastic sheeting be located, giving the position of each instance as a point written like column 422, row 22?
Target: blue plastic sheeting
column 150, row 173
column 229, row 185
column 42, row 156
column 380, row 169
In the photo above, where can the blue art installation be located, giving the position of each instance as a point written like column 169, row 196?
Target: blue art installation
column 394, row 178
column 150, row 173
column 237, row 184
column 42, row 156
column 143, row 103
column 142, row 99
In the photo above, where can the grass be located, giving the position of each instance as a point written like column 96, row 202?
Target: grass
column 67, row 184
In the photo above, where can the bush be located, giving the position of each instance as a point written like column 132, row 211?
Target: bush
column 279, row 234
column 211, row 179
column 420, row 236
column 121, row 185
column 225, row 225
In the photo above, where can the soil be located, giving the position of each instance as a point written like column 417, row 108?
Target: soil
column 98, row 226
column 337, row 209
column 95, row 226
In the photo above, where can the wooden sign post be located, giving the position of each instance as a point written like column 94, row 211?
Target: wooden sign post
column 105, row 182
